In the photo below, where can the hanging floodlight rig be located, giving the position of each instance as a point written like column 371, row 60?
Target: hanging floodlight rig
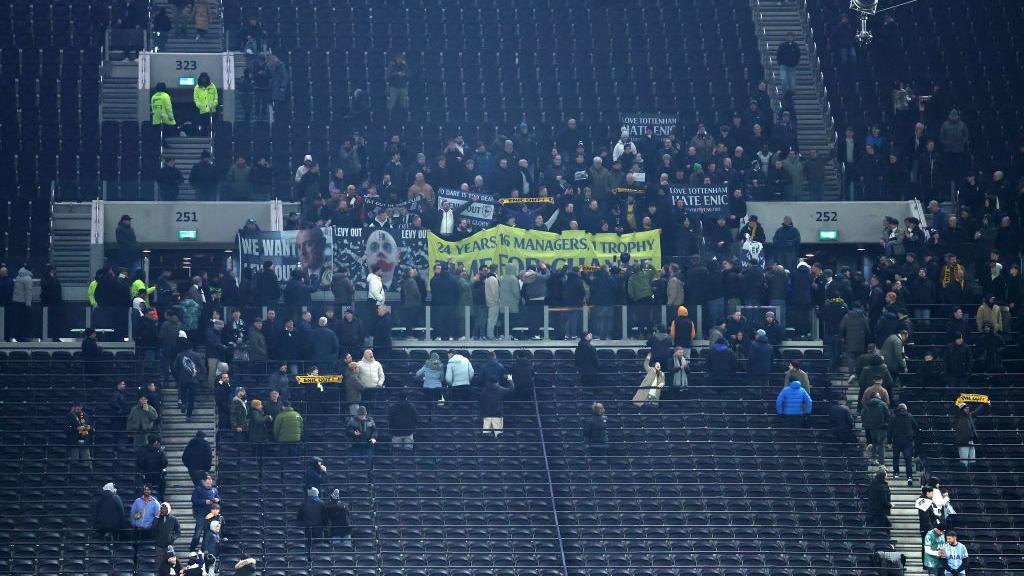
column 867, row 8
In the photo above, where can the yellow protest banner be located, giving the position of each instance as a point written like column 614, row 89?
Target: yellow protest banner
column 503, row 248
column 975, row 398
column 319, row 379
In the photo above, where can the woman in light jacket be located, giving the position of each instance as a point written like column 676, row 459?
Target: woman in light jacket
column 650, row 389
column 431, row 373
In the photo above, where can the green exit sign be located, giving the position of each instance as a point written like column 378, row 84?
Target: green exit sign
column 186, row 81
column 828, row 235
column 187, row 235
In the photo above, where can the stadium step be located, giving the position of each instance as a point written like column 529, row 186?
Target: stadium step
column 175, row 436
column 69, row 248
column 186, row 152
column 119, row 93
column 773, row 21
column 188, row 43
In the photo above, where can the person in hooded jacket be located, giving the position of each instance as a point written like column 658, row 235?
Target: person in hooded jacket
column 760, row 356
column 151, row 463
column 166, row 529
column 197, row 456
column 108, row 514
column 794, row 404
column 721, row 363
column 854, row 331
column 350, row 333
column 315, row 475
column 683, row 331
column 595, row 430
column 991, row 345
column 402, row 418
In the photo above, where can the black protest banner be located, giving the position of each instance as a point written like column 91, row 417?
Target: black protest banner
column 637, row 124
column 309, row 250
column 357, row 250
column 710, row 201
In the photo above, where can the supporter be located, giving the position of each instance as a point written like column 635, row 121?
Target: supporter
column 143, row 514
column 721, row 363
column 187, row 369
column 903, row 433
column 338, row 520
column 402, row 418
column 316, row 474
column 288, row 430
column 201, row 16
column 879, row 500
column 932, row 557
column 140, row 421
column 794, row 404
column 760, row 357
column 870, row 392
column 432, row 374
column 197, row 457
column 80, row 434
column 120, row 406
column 649, row 391
column 204, row 497
column 166, row 530
column 991, row 345
column 683, row 330
column 954, row 555
column 875, row 417
column 108, row 517
column 788, row 56
column 895, row 359
column 497, row 385
column 586, row 360
column 595, row 430
column 397, row 75
column 842, row 422
column 991, row 313
column 203, row 177
column 258, row 428
column 965, row 435
column 312, row 516
column 151, row 463
column 959, row 360
column 362, row 433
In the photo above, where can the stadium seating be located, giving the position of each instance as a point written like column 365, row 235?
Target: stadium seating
column 936, row 42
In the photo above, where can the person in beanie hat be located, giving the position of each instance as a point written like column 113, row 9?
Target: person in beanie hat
column 312, row 516
column 245, row 567
column 166, row 561
column 362, row 431
column 337, row 519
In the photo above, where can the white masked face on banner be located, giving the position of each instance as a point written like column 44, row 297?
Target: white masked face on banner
column 382, row 251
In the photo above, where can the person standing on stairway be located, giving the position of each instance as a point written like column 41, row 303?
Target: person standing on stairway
column 879, row 500
column 201, row 17
column 788, row 55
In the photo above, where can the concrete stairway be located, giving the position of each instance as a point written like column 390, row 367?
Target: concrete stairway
column 175, row 434
column 69, row 246
column 186, row 153
column 212, row 41
column 119, row 95
column 903, row 515
column 773, row 20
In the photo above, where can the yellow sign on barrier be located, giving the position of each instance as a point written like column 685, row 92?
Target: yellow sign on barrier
column 319, row 379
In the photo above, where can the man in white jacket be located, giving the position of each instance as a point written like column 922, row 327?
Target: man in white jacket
column 458, row 375
column 492, row 296
column 375, row 297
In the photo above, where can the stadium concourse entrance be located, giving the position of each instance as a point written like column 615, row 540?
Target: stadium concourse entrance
column 184, row 264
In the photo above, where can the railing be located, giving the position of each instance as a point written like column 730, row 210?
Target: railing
column 534, row 321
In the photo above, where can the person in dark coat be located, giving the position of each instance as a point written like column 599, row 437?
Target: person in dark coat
column 595, row 430
column 312, row 516
column 879, row 501
column 316, row 474
column 151, row 462
column 325, row 347
column 959, row 360
column 337, row 519
column 197, row 456
column 660, row 344
column 721, row 364
column 586, row 360
column 875, row 417
column 683, row 330
column 841, row 419
column 362, row 434
column 991, row 344
column 350, row 333
column 800, row 300
column 759, row 359
column 108, row 514
column 166, row 529
column 402, row 418
column 854, row 331
column 902, row 431
column 497, row 385
column 382, row 325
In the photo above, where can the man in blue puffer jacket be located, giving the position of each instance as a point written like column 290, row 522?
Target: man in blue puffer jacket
column 793, row 404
